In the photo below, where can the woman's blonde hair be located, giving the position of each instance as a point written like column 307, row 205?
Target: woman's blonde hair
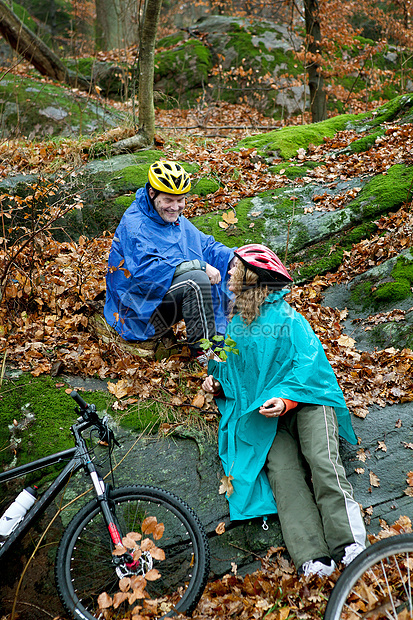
column 249, row 296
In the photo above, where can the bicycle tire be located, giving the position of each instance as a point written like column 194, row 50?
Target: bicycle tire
column 377, row 584
column 84, row 563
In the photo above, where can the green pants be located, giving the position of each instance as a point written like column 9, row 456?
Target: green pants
column 317, row 512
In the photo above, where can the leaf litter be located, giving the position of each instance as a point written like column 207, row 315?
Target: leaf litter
column 52, row 292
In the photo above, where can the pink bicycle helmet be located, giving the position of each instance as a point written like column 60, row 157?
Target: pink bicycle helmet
column 265, row 263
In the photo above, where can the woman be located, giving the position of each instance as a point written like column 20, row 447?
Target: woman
column 282, row 410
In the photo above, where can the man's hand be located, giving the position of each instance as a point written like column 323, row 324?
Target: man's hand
column 211, row 385
column 272, row 408
column 213, row 274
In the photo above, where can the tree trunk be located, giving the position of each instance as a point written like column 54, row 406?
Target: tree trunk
column 117, row 24
column 28, row 45
column 146, row 69
column 318, row 100
column 146, row 132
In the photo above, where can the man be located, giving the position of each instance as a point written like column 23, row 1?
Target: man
column 162, row 268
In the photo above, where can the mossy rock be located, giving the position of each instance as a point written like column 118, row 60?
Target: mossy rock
column 317, row 240
column 385, row 290
column 170, row 41
column 294, row 170
column 112, row 79
column 236, row 234
column 384, row 192
column 286, row 141
column 32, row 108
column 205, row 186
column 123, row 202
column 248, row 51
column 393, row 334
column 44, row 413
column 182, row 72
column 365, row 143
column 325, row 257
column 398, row 108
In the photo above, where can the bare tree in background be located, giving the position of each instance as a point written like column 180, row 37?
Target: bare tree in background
column 117, row 24
column 35, row 51
column 146, row 118
column 318, row 99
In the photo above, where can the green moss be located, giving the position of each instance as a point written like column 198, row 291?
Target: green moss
column 260, row 58
column 355, row 235
column 390, row 334
column 123, row 202
column 393, row 291
column 372, row 294
column 142, row 416
column 205, row 186
column 130, row 179
column 385, row 192
column 241, row 41
column 363, row 41
column 191, row 61
column 387, row 112
column 24, row 16
column 403, row 269
column 234, row 235
column 361, row 295
column 329, row 263
column 170, row 40
column 53, row 413
column 364, row 144
column 401, row 288
column 294, row 171
column 53, row 410
column 326, row 256
column 24, row 99
column 287, row 140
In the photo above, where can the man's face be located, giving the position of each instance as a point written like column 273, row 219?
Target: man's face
column 168, row 206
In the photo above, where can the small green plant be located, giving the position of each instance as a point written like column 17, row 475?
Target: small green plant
column 221, row 346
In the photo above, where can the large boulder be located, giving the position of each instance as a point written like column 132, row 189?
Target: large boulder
column 34, row 109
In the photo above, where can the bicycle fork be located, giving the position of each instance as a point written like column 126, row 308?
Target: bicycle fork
column 124, row 564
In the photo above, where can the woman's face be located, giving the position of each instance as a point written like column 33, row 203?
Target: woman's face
column 231, row 273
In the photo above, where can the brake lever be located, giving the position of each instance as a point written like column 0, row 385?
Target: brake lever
column 106, row 434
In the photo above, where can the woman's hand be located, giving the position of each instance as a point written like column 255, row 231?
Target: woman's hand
column 211, row 385
column 213, row 274
column 272, row 408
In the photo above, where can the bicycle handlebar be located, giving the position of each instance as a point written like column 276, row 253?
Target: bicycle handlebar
column 90, row 416
column 79, row 400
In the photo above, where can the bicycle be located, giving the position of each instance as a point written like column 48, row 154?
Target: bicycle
column 94, row 553
column 376, row 584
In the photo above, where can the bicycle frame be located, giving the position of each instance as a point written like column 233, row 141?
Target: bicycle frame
column 79, row 457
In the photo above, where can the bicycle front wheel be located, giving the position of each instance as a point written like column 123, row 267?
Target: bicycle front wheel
column 173, row 547
column 377, row 584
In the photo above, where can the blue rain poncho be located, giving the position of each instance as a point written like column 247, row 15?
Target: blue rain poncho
column 144, row 255
column 279, row 356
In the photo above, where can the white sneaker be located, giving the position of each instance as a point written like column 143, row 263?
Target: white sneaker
column 315, row 567
column 351, row 552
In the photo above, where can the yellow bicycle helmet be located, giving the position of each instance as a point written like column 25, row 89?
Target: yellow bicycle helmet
column 169, row 177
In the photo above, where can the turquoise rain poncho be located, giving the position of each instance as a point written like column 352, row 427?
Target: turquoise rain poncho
column 279, row 356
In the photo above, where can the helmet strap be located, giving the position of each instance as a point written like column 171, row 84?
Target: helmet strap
column 156, row 193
